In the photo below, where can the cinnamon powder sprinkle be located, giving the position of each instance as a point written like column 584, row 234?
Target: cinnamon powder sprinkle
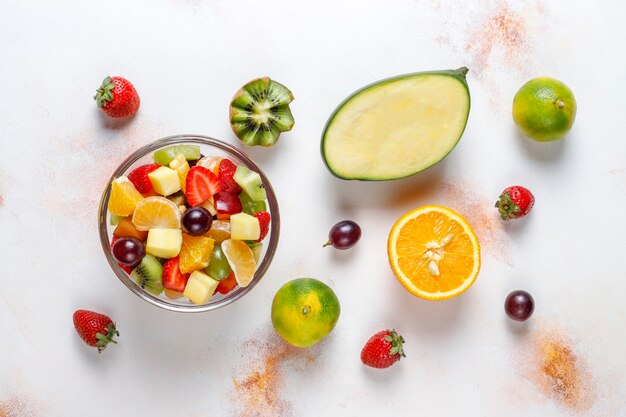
column 481, row 215
column 16, row 407
column 560, row 373
column 259, row 392
column 505, row 30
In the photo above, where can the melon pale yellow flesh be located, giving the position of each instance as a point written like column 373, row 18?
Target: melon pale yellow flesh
column 397, row 128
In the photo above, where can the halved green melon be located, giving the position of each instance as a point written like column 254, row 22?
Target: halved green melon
column 397, row 127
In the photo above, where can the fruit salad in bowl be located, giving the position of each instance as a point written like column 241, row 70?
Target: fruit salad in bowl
column 189, row 223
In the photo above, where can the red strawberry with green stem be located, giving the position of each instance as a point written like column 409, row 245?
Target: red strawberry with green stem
column 225, row 174
column 117, row 97
column 201, row 184
column 95, row 329
column 139, row 177
column 383, row 349
column 264, row 223
column 515, row 202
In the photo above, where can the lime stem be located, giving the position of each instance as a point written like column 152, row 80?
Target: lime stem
column 560, row 103
column 305, row 310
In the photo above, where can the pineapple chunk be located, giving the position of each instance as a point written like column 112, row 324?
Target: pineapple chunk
column 200, row 287
column 165, row 181
column 164, row 243
column 209, row 205
column 244, row 227
column 181, row 166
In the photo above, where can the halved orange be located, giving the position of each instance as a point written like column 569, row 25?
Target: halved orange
column 434, row 252
column 241, row 260
column 124, row 197
column 156, row 213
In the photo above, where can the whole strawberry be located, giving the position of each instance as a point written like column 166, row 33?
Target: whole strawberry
column 383, row 349
column 95, row 329
column 515, row 202
column 117, row 97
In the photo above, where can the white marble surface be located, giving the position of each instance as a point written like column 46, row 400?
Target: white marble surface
column 187, row 58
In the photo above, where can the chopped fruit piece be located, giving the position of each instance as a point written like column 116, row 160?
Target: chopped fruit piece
column 434, row 253
column 227, row 285
column 249, row 206
column 173, row 278
column 195, row 253
column 164, row 243
column 128, row 251
column 177, row 198
column 139, row 177
column 251, row 183
column 172, row 295
column 124, row 197
column 209, row 205
column 225, row 175
column 227, row 204
column 241, row 260
column 165, row 181
column 166, row 155
column 197, row 221
column 200, row 288
column 220, row 231
column 115, row 219
column 181, row 166
column 257, row 249
column 117, row 97
column 244, row 227
column 126, row 268
column 211, row 163
column 218, row 268
column 96, row 330
column 264, row 223
column 156, row 213
column 201, row 185
column 148, row 275
column 126, row 228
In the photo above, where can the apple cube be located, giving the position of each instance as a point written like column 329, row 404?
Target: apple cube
column 164, row 243
column 200, row 287
column 244, row 227
column 165, row 181
column 227, row 204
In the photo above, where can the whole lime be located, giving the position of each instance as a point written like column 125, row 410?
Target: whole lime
column 544, row 109
column 304, row 311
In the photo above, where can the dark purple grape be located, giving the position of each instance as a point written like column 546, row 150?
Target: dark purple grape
column 344, row 235
column 519, row 305
column 197, row 221
column 128, row 251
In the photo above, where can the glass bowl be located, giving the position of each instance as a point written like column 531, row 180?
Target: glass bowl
column 208, row 146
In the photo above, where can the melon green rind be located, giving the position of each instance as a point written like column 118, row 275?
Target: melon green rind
column 370, row 174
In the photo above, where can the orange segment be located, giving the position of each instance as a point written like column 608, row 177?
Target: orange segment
column 241, row 260
column 434, row 253
column 211, row 162
column 195, row 253
column 124, row 197
column 156, row 213
column 220, row 230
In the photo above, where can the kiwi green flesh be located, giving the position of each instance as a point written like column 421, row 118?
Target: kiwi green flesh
column 260, row 112
column 397, row 127
column 149, row 275
column 166, row 155
column 251, row 183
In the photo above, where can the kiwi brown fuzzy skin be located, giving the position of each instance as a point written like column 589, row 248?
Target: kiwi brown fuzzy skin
column 258, row 140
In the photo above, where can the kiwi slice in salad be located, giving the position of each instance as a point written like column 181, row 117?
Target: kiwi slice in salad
column 259, row 112
column 166, row 155
column 148, row 275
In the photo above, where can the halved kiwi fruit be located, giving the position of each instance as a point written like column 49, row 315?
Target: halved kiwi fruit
column 259, row 112
column 149, row 275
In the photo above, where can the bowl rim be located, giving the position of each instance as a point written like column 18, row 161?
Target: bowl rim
column 228, row 149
